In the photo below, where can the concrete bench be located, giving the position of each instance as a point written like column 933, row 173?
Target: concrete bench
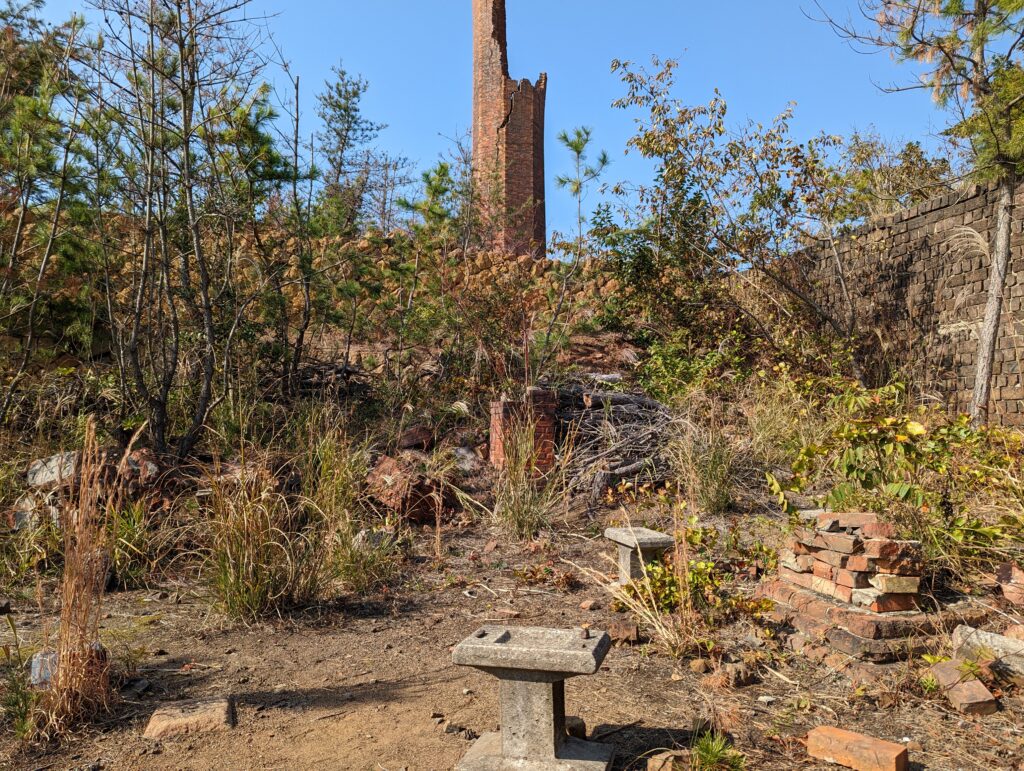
column 532, row 665
column 637, row 546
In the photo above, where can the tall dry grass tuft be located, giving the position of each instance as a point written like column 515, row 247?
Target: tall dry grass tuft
column 81, row 687
column 525, row 500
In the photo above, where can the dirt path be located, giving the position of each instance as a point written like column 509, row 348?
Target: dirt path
column 371, row 685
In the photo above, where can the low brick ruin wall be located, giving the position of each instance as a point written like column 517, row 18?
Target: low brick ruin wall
column 920, row 297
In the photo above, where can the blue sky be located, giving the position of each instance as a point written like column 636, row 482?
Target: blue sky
column 761, row 54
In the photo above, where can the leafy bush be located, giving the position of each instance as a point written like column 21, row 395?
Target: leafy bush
column 944, row 482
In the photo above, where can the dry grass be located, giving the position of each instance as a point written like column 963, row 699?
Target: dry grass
column 81, row 687
column 525, row 500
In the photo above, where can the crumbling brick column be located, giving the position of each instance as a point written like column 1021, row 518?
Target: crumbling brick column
column 508, row 137
column 539, row 408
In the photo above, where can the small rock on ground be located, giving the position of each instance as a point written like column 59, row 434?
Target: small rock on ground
column 191, row 717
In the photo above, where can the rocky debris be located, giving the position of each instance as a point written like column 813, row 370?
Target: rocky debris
column 1011, row 579
column 978, row 645
column 135, row 687
column 191, row 717
column 668, row 761
column 55, row 471
column 369, row 541
column 399, row 487
column 624, row 633
column 846, row 582
column 43, row 668
column 965, row 692
column 416, row 438
column 32, row 510
column 856, row 751
column 467, row 460
column 740, row 675
column 857, row 631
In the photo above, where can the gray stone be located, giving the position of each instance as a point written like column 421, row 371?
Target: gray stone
column 532, row 665
column 975, row 644
column 552, row 654
column 637, row 546
column 53, row 471
column 30, row 512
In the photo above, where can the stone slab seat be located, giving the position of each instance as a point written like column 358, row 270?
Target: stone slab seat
column 637, row 546
column 639, row 538
column 532, row 665
column 561, row 653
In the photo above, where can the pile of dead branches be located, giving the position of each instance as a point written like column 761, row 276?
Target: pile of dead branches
column 610, row 437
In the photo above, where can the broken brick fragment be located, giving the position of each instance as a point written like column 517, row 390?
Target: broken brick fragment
column 856, row 751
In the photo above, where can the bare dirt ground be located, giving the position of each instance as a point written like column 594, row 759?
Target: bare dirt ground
column 370, row 685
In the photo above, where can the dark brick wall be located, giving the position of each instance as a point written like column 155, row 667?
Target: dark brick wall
column 920, row 291
column 508, row 134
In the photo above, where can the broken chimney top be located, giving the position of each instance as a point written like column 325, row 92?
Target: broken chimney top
column 508, row 137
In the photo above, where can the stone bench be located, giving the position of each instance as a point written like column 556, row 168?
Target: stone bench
column 637, row 546
column 532, row 665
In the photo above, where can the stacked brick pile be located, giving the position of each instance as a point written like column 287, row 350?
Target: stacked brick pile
column 849, row 587
column 853, row 558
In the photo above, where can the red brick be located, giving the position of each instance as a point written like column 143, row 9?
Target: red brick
column 877, row 602
column 882, row 548
column 855, row 520
column 879, row 530
column 840, row 542
column 856, row 751
column 508, row 136
column 967, row 694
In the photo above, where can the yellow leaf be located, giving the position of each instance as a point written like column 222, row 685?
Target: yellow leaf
column 915, row 429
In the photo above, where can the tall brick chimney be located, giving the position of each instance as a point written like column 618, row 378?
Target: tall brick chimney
column 508, row 136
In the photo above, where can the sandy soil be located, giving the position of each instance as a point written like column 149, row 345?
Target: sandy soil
column 370, row 685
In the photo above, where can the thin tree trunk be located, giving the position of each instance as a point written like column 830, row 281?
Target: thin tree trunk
column 989, row 334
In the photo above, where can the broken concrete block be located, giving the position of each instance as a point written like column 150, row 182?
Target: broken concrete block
column 966, row 693
column 856, row 751
column 191, row 717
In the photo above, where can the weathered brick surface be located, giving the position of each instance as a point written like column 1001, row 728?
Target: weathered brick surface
column 856, row 751
column 508, row 136
column 864, row 623
column 920, row 299
column 965, row 692
column 539, row 408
